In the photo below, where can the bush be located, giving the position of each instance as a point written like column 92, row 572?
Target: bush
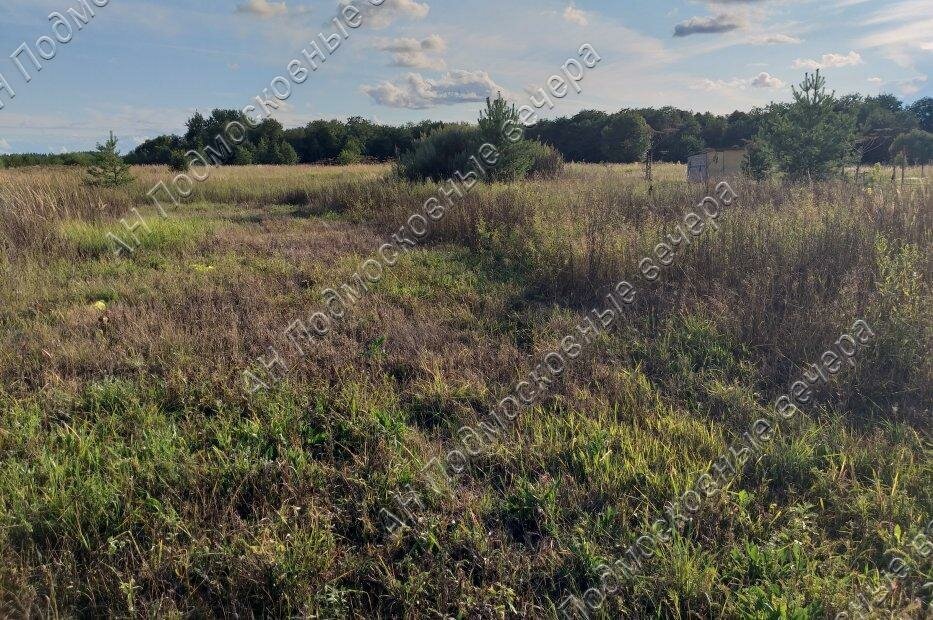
column 178, row 162
column 242, row 156
column 439, row 155
column 448, row 150
column 758, row 162
column 548, row 163
column 352, row 153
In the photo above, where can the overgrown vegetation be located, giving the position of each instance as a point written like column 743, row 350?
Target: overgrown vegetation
column 138, row 478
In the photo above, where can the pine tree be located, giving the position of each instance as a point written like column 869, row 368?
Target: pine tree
column 108, row 170
column 811, row 138
column 497, row 124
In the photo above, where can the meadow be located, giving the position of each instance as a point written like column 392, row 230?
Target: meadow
column 138, row 477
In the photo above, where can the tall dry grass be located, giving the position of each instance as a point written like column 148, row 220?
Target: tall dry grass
column 789, row 266
column 35, row 201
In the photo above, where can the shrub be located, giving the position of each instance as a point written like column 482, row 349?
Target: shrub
column 242, row 156
column 548, row 162
column 178, row 162
column 439, row 155
column 758, row 162
column 352, row 153
column 448, row 150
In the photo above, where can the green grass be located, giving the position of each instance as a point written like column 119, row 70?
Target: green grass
column 137, row 477
column 91, row 239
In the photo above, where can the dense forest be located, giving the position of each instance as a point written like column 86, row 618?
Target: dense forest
column 670, row 134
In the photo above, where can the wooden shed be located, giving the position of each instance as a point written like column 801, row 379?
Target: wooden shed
column 715, row 164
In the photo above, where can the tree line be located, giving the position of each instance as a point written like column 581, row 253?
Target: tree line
column 848, row 130
column 670, row 134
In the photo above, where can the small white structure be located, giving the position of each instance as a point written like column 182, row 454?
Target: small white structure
column 715, row 164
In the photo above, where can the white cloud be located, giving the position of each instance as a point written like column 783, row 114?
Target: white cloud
column 762, row 80
column 5, row 146
column 714, row 85
column 829, row 61
column 766, row 80
column 382, row 15
column 913, row 85
column 575, row 16
column 875, row 80
column 774, row 39
column 409, row 52
column 415, row 91
column 262, row 8
column 902, row 30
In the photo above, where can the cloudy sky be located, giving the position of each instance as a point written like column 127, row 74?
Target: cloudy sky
column 141, row 67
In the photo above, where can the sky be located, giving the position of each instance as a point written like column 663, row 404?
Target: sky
column 140, row 68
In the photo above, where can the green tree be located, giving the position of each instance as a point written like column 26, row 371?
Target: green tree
column 178, row 162
column 499, row 125
column 916, row 147
column 108, row 170
column 759, row 161
column 626, row 137
column 352, row 153
column 242, row 156
column 923, row 110
column 810, row 138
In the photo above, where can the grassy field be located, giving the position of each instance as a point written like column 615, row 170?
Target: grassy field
column 138, row 476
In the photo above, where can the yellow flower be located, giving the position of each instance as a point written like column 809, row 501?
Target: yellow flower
column 99, row 305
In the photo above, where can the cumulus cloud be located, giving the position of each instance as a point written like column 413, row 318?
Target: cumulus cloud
column 766, row 80
column 262, row 8
column 775, row 39
column 762, row 80
column 409, row 52
column 829, row 61
column 416, row 92
column 575, row 16
column 381, row 16
column 706, row 25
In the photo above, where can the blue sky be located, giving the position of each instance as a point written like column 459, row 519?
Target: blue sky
column 141, row 67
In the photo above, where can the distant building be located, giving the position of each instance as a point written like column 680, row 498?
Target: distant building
column 715, row 164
